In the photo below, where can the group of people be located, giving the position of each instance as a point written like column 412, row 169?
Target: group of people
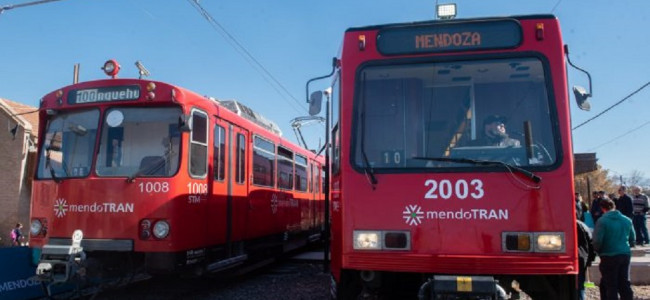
column 618, row 224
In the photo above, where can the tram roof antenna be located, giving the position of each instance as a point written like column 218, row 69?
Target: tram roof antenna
column 141, row 69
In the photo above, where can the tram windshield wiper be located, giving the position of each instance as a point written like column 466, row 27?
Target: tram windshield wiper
column 526, row 173
column 149, row 169
column 367, row 168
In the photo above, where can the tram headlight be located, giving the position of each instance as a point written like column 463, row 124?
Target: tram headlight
column 111, row 68
column 161, row 229
column 549, row 242
column 35, row 227
column 366, row 240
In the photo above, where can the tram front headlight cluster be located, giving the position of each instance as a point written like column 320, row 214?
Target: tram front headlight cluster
column 381, row 240
column 549, row 242
column 36, row 227
column 367, row 240
column 533, row 242
column 161, row 229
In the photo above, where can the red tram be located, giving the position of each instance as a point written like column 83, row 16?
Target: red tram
column 155, row 177
column 422, row 205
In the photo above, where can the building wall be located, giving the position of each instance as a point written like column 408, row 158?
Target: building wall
column 14, row 190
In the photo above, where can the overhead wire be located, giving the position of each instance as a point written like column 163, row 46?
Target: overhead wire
column 12, row 6
column 250, row 59
column 620, row 136
column 555, row 6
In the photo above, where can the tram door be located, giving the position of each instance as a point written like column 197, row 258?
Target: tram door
column 229, row 186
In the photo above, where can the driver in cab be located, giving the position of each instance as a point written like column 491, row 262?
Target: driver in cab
column 494, row 134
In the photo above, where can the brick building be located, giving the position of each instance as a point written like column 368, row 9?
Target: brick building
column 17, row 158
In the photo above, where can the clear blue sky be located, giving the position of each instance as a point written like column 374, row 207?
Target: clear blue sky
column 295, row 39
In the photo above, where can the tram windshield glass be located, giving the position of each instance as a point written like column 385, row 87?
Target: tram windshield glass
column 69, row 145
column 435, row 115
column 139, row 142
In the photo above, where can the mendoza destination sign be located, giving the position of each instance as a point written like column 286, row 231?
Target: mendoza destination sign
column 104, row 94
column 447, row 37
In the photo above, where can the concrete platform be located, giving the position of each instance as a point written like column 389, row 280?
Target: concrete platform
column 639, row 267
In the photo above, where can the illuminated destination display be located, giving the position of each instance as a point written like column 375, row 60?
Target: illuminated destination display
column 104, row 94
column 447, row 37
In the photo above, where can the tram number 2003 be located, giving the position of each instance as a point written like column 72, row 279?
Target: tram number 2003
column 461, row 189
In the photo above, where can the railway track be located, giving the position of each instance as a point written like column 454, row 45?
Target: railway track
column 299, row 276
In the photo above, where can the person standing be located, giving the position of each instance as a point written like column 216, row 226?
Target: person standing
column 641, row 207
column 17, row 235
column 624, row 202
column 579, row 211
column 612, row 239
column 596, row 212
column 586, row 255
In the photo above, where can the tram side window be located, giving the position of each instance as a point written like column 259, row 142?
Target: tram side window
column 240, row 175
column 314, row 176
column 336, row 150
column 263, row 162
column 285, row 168
column 301, row 173
column 199, row 144
column 219, row 160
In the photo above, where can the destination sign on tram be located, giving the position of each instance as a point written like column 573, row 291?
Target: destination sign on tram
column 104, row 94
column 435, row 38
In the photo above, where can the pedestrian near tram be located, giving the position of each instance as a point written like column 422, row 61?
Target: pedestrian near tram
column 612, row 239
column 17, row 235
column 596, row 212
column 641, row 207
column 624, row 202
column 586, row 255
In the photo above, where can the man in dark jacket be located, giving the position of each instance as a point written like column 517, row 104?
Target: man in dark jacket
column 624, row 202
column 596, row 212
column 612, row 239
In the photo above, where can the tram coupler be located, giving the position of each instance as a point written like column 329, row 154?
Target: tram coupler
column 451, row 285
column 59, row 263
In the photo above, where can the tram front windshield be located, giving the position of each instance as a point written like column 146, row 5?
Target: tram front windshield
column 69, row 145
column 433, row 115
column 139, row 142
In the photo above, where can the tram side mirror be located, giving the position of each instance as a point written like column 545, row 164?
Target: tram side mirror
column 315, row 100
column 184, row 123
column 582, row 95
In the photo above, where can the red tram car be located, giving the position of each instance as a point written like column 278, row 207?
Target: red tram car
column 155, row 177
column 423, row 203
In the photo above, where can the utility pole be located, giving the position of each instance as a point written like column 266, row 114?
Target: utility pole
column 12, row 6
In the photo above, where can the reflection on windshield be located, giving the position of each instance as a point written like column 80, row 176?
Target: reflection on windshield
column 69, row 145
column 495, row 110
column 139, row 142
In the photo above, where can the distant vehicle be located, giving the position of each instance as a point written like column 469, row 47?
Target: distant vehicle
column 419, row 208
column 140, row 175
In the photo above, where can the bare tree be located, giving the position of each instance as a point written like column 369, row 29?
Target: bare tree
column 597, row 180
column 636, row 177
